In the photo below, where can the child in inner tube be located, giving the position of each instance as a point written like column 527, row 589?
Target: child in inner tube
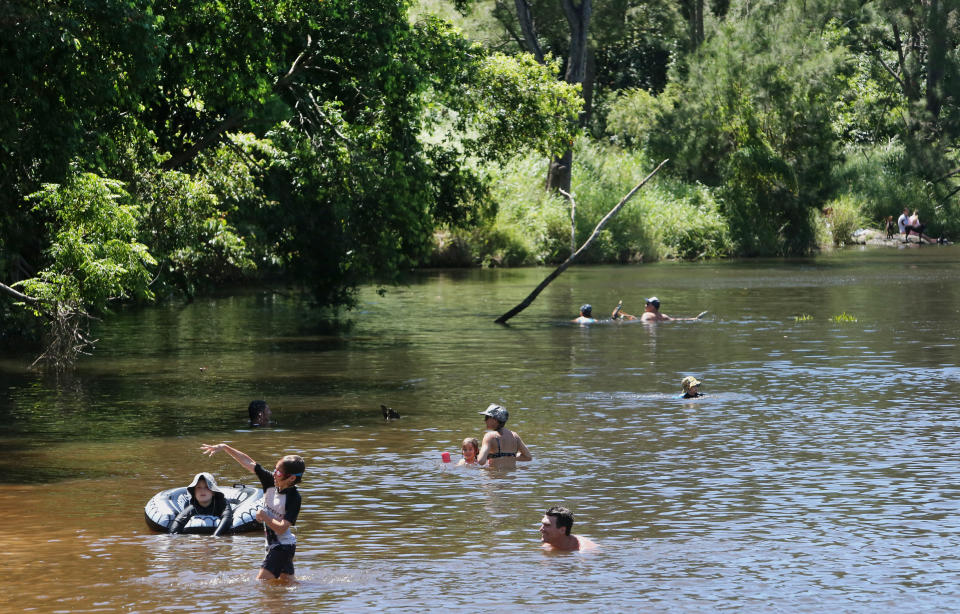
column 206, row 499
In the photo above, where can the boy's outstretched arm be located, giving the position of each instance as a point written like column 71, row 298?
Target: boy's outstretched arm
column 237, row 455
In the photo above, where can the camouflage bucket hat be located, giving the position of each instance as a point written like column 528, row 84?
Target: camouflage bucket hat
column 498, row 412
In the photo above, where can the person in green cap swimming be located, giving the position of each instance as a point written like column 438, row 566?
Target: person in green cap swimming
column 691, row 387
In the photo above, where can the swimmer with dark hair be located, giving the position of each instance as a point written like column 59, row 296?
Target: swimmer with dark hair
column 586, row 315
column 259, row 413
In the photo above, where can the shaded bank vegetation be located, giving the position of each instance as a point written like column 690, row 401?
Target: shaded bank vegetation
column 152, row 149
column 788, row 124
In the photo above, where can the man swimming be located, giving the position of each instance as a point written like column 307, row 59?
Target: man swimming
column 651, row 313
column 555, row 533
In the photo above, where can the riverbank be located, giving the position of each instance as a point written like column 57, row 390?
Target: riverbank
column 868, row 236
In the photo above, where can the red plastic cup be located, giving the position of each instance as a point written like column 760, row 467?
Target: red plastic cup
column 446, row 457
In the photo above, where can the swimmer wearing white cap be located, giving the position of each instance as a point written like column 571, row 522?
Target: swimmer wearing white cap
column 651, row 313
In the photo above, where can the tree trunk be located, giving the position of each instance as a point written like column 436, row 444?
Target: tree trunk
column 694, row 15
column 693, row 11
column 937, row 24
column 566, row 263
column 578, row 17
column 525, row 17
column 559, row 176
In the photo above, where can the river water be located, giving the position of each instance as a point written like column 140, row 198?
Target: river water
column 818, row 474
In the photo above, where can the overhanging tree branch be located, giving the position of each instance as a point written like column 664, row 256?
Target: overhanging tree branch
column 566, row 263
column 20, row 296
column 235, row 120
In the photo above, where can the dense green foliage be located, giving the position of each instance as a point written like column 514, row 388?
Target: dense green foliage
column 800, row 119
column 668, row 219
column 317, row 141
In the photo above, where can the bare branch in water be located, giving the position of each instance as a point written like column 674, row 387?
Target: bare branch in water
column 566, row 263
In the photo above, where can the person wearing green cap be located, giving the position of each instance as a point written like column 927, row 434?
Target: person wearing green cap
column 691, row 387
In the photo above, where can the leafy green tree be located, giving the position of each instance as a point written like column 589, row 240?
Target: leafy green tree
column 363, row 202
column 917, row 45
column 94, row 258
column 71, row 76
column 753, row 115
column 605, row 47
column 376, row 131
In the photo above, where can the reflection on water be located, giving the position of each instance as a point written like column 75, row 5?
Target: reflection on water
column 816, row 475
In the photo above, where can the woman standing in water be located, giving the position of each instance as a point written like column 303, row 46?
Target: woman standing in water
column 501, row 446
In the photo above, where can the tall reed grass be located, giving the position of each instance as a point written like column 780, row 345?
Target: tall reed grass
column 665, row 219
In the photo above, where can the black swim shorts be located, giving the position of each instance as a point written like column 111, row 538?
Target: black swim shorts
column 279, row 560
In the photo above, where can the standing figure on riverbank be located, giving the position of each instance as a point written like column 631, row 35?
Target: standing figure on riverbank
column 555, row 527
column 651, row 313
column 281, row 506
column 911, row 223
column 915, row 223
column 509, row 447
column 586, row 315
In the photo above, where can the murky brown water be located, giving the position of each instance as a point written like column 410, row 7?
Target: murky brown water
column 817, row 475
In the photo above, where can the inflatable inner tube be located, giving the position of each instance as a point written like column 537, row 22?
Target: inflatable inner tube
column 164, row 506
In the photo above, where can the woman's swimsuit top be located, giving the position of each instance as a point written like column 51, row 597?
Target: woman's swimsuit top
column 500, row 454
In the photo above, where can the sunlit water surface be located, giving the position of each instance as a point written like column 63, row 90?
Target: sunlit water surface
column 819, row 474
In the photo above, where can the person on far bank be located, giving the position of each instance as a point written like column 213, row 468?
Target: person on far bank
column 555, row 527
column 281, row 506
column 915, row 223
column 651, row 313
column 911, row 223
column 586, row 315
column 691, row 387
column 509, row 447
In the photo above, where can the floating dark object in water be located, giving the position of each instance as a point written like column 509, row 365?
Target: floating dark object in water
column 389, row 413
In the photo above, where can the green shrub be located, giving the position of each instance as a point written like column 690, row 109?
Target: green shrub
column 666, row 219
column 843, row 317
column 632, row 117
column 843, row 218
